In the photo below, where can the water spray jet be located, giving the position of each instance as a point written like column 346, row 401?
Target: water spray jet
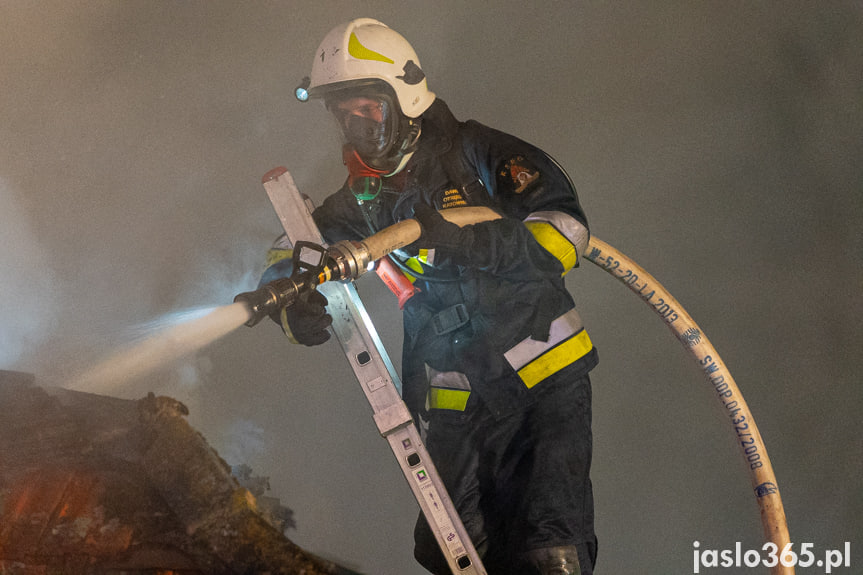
column 163, row 348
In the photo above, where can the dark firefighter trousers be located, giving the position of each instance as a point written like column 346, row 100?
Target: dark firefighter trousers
column 519, row 482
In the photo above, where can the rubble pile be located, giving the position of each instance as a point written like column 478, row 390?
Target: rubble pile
column 96, row 485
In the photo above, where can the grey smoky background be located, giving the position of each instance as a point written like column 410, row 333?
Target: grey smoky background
column 718, row 144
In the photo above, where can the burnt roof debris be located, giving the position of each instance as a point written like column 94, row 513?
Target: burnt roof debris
column 98, row 485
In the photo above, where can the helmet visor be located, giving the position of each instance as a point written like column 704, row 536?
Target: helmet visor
column 368, row 124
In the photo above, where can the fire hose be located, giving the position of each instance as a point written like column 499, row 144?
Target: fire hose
column 749, row 439
column 348, row 260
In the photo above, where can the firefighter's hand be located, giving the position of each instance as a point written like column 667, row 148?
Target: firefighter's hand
column 307, row 320
column 451, row 243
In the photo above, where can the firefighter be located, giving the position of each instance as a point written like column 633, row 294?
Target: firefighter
column 495, row 357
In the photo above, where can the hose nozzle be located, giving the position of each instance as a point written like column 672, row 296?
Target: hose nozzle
column 270, row 298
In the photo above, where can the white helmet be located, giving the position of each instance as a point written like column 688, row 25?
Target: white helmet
column 363, row 52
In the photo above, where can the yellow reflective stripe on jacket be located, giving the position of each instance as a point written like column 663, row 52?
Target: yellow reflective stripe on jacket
column 455, row 399
column 448, row 389
column 554, row 242
column 414, row 264
column 535, row 360
column 556, row 359
column 561, row 234
column 531, row 373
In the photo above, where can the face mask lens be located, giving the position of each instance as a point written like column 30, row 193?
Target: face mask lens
column 367, row 136
column 365, row 123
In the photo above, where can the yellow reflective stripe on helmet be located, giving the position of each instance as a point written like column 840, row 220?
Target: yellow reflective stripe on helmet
column 556, row 359
column 554, row 242
column 275, row 255
column 455, row 399
column 360, row 52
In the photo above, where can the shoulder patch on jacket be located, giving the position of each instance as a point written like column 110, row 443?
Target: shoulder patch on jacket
column 516, row 174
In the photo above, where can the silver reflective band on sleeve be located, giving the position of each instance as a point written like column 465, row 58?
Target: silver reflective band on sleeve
column 573, row 230
column 529, row 349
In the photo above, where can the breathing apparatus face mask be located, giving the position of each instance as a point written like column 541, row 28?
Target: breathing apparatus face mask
column 369, row 125
column 372, row 123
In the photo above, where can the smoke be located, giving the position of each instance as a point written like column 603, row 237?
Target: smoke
column 27, row 285
column 243, row 440
column 702, row 137
column 218, row 271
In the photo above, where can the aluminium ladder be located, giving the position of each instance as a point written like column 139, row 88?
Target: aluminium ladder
column 380, row 384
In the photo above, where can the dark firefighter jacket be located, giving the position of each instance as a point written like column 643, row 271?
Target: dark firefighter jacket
column 502, row 332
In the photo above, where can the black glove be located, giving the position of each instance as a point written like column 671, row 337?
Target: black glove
column 451, row 243
column 307, row 320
